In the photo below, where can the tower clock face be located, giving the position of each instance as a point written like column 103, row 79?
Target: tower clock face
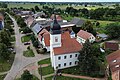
column 56, row 39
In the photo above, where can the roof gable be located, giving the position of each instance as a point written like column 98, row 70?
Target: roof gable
column 84, row 34
column 113, row 60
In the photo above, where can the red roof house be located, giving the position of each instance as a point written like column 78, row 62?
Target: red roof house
column 113, row 60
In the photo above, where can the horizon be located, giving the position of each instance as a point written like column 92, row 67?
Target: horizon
column 60, row 1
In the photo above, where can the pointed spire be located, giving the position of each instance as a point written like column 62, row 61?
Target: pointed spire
column 55, row 26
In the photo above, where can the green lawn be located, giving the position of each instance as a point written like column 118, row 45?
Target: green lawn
column 45, row 61
column 25, row 38
column 72, row 70
column 63, row 78
column 46, row 70
column 2, row 76
column 28, row 53
column 5, row 65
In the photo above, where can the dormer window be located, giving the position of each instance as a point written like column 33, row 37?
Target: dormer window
column 117, row 66
column 114, row 61
column 56, row 39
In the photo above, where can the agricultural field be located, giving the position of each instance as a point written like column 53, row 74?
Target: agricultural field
column 24, row 5
column 32, row 5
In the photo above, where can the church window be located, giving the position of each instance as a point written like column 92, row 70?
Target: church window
column 56, row 39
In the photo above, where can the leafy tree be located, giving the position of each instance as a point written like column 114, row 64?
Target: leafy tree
column 26, row 30
column 26, row 75
column 4, row 52
column 32, row 9
column 88, row 62
column 88, row 26
column 21, row 22
column 37, row 8
column 5, row 38
column 113, row 30
column 36, row 43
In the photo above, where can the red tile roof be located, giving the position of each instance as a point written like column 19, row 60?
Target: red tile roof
column 47, row 39
column 112, row 45
column 44, row 33
column 113, row 60
column 69, row 45
column 84, row 34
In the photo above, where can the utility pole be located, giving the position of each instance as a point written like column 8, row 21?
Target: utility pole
column 41, row 72
column 55, row 74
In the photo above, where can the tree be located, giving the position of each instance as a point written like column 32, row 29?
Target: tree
column 37, row 8
column 88, row 26
column 4, row 52
column 36, row 43
column 26, row 30
column 113, row 30
column 88, row 62
column 5, row 38
column 32, row 9
column 26, row 75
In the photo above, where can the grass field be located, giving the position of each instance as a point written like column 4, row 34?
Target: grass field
column 25, row 38
column 32, row 5
column 46, row 70
column 26, row 5
column 63, row 78
column 28, row 53
column 5, row 65
column 45, row 61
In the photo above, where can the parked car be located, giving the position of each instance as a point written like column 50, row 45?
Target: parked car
column 26, row 43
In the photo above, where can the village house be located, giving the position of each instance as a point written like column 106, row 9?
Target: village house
column 29, row 20
column 78, row 22
column 39, row 14
column 113, row 60
column 112, row 45
column 82, row 36
column 102, row 36
column 44, row 39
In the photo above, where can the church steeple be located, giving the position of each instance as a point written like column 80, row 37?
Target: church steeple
column 55, row 27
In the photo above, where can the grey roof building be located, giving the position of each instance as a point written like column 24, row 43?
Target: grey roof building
column 78, row 22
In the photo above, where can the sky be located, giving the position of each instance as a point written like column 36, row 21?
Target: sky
column 66, row 0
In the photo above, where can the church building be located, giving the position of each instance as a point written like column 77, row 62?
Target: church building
column 63, row 49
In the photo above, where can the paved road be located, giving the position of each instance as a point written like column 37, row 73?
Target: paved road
column 20, row 61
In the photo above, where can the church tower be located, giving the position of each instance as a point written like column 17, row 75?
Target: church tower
column 55, row 34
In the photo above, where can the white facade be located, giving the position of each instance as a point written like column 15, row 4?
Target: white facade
column 64, row 60
column 82, row 40
column 55, row 40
